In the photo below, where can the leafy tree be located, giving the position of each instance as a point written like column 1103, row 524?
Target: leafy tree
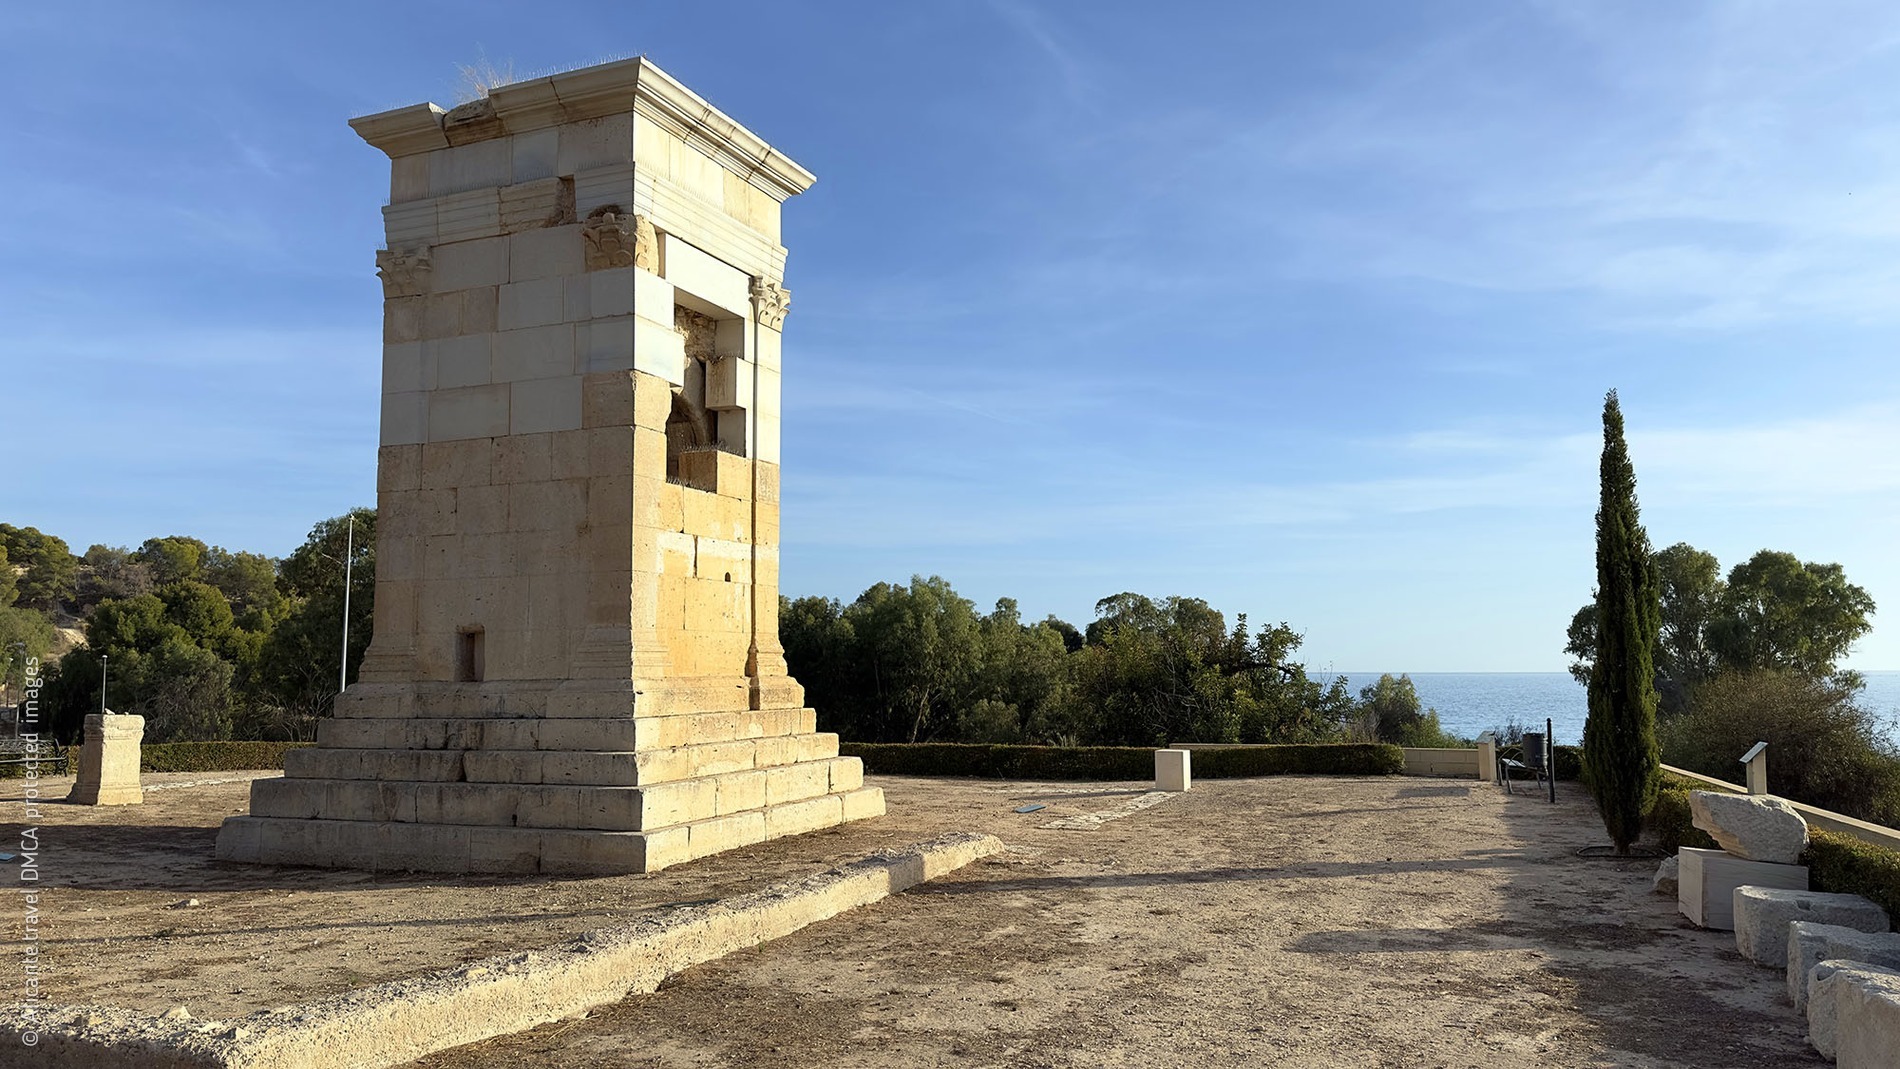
column 1690, row 589
column 249, row 582
column 175, row 559
column 1021, row 668
column 923, row 649
column 1621, row 758
column 1391, row 707
column 292, row 680
column 1772, row 613
column 1823, row 748
column 1778, row 613
column 1071, row 637
column 9, row 582
column 109, row 572
column 50, row 568
column 23, row 633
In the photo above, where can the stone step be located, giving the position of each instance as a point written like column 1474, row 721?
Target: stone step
column 554, row 805
column 623, row 769
column 536, row 733
column 396, row 846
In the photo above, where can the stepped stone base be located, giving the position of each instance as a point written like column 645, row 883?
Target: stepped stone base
column 488, row 792
column 394, row 845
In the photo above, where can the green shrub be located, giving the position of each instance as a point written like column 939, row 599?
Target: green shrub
column 1119, row 762
column 1823, row 747
column 55, row 761
column 1843, row 864
column 1669, row 823
column 228, row 756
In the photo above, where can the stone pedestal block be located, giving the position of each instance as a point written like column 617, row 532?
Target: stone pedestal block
column 1707, row 881
column 1762, row 916
column 1173, row 770
column 109, row 761
column 1810, row 943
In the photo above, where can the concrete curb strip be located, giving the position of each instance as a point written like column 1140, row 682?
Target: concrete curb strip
column 397, row 1022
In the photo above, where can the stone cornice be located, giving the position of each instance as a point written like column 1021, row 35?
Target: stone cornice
column 404, row 131
column 610, row 89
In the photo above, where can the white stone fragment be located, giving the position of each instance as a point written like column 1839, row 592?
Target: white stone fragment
column 1810, row 943
column 1762, row 916
column 1755, row 827
column 1847, row 1020
column 1666, row 877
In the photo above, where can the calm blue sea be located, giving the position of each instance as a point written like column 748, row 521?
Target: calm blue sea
column 1471, row 702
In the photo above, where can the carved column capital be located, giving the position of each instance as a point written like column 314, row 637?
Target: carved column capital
column 614, row 238
column 405, row 272
column 770, row 302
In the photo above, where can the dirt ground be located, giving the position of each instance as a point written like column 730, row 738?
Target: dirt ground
column 1295, row 921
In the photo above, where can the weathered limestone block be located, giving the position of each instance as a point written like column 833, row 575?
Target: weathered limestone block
column 1752, row 826
column 1666, row 882
column 1854, row 1014
column 1708, row 879
column 109, row 761
column 1762, row 916
column 1173, row 770
column 1810, row 943
column 1823, row 999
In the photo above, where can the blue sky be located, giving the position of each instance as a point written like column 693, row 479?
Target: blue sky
column 1305, row 309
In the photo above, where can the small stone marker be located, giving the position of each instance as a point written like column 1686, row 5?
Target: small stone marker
column 109, row 761
column 1763, row 914
column 1756, row 827
column 1810, row 943
column 1173, row 770
column 1708, row 879
column 1854, row 1014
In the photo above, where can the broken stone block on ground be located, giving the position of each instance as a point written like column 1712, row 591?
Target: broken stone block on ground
column 1752, row 826
column 1762, row 916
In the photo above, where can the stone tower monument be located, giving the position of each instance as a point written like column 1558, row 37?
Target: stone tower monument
column 576, row 664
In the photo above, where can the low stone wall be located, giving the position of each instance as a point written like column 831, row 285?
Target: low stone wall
column 1441, row 761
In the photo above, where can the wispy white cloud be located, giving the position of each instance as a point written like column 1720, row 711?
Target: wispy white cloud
column 1073, row 73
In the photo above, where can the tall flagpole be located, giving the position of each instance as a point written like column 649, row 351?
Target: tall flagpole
column 349, row 565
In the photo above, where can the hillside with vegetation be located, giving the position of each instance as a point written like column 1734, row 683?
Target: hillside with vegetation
column 204, row 642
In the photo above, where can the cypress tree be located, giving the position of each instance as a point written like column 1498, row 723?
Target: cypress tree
column 1621, row 758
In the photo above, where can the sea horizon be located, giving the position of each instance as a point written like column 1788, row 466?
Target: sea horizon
column 1468, row 703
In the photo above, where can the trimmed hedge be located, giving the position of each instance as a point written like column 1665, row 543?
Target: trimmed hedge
column 1669, row 823
column 1845, row 865
column 54, row 761
column 1118, row 762
column 1836, row 863
column 229, row 756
